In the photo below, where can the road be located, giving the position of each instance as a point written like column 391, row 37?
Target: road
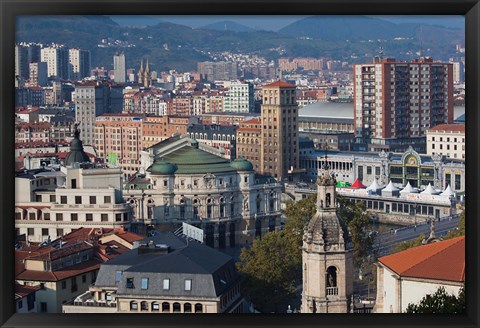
column 385, row 242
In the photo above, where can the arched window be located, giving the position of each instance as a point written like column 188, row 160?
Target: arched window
column 155, row 306
column 331, row 283
column 222, row 207
column 176, row 307
column 198, row 308
column 327, row 200
column 165, row 307
column 133, row 306
column 144, row 306
column 187, row 308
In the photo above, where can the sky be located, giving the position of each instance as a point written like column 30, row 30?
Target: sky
column 274, row 23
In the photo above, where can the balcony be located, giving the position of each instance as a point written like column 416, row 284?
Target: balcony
column 331, row 291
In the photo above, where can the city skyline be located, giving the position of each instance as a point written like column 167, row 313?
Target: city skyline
column 165, row 91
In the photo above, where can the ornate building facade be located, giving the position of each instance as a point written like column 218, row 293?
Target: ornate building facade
column 181, row 181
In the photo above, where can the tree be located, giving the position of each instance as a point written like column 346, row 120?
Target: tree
column 460, row 230
column 268, row 271
column 411, row 243
column 440, row 302
column 355, row 217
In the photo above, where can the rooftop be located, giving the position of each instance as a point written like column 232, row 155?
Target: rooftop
column 444, row 260
column 449, row 127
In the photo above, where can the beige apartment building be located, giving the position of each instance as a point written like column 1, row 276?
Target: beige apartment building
column 448, row 140
column 279, row 142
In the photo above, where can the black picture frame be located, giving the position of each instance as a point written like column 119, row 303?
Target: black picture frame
column 12, row 8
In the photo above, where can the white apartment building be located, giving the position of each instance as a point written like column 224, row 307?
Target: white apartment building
column 238, row 97
column 447, row 139
column 57, row 61
column 79, row 61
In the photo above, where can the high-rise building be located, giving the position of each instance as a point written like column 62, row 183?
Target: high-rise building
column 249, row 136
column 90, row 101
column 217, row 71
column 21, row 61
column 38, row 74
column 279, row 142
column 120, row 75
column 395, row 102
column 79, row 64
column 458, row 72
column 57, row 61
column 239, row 97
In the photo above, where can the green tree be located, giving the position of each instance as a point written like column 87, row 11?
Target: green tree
column 268, row 271
column 409, row 244
column 440, row 302
column 460, row 230
column 357, row 219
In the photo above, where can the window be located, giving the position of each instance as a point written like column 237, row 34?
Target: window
column 46, row 216
column 59, row 217
column 144, row 283
column 89, row 217
column 63, row 199
column 144, row 306
column 108, row 297
column 118, row 217
column 107, row 199
column 369, row 170
column 188, row 284
column 74, row 284
column 133, row 305
column 130, row 283
column 78, row 199
column 52, row 198
column 59, row 232
column 377, row 171
column 74, row 217
column 166, row 284
column 20, row 304
column 104, row 217
column 30, row 231
column 93, row 199
column 64, row 284
column 458, row 181
column 44, row 231
column 155, row 306
column 118, row 276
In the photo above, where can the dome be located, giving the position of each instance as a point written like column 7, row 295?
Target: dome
column 162, row 168
column 76, row 153
column 241, row 164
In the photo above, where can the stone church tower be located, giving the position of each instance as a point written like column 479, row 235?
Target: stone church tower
column 326, row 257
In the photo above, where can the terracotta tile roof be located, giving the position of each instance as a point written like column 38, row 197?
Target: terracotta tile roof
column 72, row 271
column 279, row 84
column 22, row 290
column 444, row 260
column 449, row 127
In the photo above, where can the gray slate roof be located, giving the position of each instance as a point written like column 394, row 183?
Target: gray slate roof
column 211, row 271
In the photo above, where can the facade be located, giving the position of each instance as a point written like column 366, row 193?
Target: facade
column 326, row 255
column 118, row 139
column 217, row 71
column 51, row 203
column 38, row 74
column 64, row 268
column 279, row 143
column 21, row 61
column 181, row 182
column 248, row 142
column 406, row 277
column 400, row 168
column 159, row 128
column 164, row 274
column 447, row 140
column 239, row 97
column 57, row 61
column 397, row 102
column 221, row 137
column 25, row 298
column 119, row 67
column 79, row 61
column 90, row 101
column 32, row 132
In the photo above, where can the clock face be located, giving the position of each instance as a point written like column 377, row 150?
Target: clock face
column 412, row 161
